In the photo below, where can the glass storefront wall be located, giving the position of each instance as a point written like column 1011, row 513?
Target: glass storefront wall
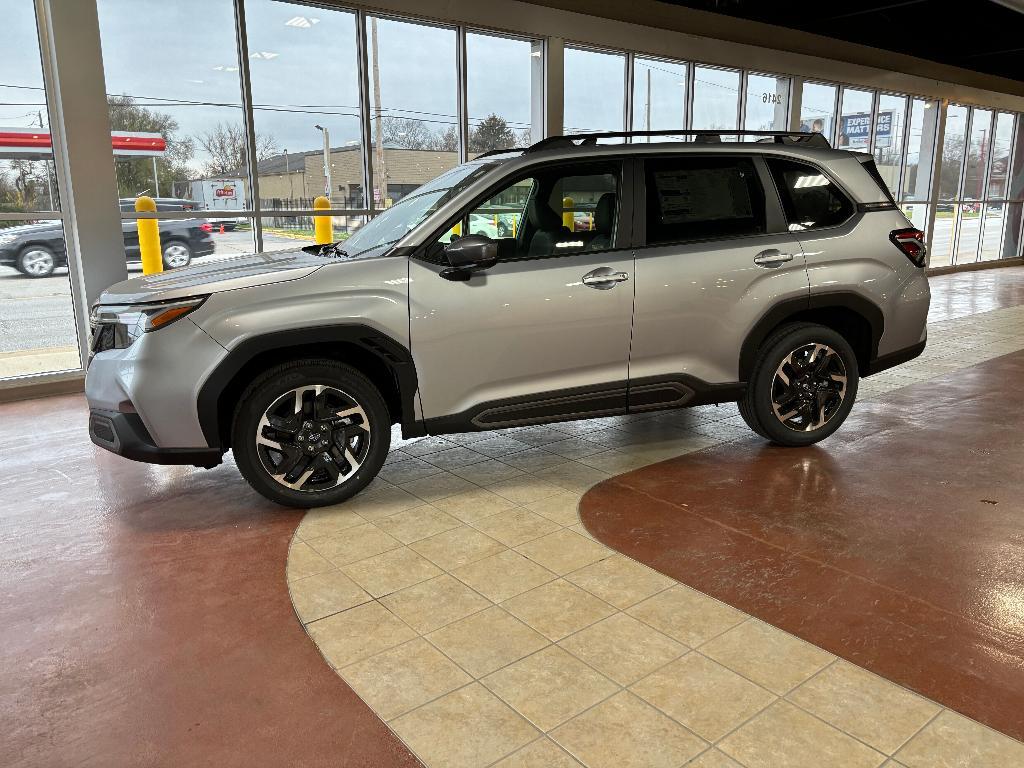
column 977, row 216
column 37, row 318
column 588, row 73
column 236, row 138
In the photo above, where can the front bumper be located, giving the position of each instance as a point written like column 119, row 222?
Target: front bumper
column 157, row 379
column 126, row 435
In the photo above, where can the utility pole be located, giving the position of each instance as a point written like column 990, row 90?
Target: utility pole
column 288, row 173
column 382, row 173
column 327, row 160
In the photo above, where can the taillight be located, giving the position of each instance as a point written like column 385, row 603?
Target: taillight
column 206, row 226
column 911, row 242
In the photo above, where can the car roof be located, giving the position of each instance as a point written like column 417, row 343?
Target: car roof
column 841, row 164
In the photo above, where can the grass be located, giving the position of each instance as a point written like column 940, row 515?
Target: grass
column 301, row 234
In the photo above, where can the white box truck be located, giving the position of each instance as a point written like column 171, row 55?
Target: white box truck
column 220, row 195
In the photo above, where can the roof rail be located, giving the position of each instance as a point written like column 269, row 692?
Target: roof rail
column 704, row 137
column 506, row 150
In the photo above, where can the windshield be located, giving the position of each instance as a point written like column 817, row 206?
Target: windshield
column 397, row 221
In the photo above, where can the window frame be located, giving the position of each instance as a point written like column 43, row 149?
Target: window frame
column 775, row 221
column 624, row 216
column 855, row 206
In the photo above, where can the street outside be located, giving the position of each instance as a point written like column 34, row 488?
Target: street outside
column 37, row 330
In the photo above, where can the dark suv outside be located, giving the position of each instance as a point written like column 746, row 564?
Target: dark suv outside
column 36, row 250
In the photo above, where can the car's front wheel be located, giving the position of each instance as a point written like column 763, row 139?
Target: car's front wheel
column 177, row 254
column 803, row 385
column 310, row 433
column 36, row 261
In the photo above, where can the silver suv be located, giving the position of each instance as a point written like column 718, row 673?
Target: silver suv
column 632, row 277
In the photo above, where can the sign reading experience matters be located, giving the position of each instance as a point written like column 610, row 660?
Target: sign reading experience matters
column 856, row 129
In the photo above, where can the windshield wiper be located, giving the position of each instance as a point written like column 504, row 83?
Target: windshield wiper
column 327, row 250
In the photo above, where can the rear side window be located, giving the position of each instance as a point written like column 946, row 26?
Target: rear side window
column 809, row 197
column 698, row 198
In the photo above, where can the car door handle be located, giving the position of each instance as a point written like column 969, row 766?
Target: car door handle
column 772, row 257
column 604, row 278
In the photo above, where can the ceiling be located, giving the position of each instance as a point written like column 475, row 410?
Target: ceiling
column 985, row 36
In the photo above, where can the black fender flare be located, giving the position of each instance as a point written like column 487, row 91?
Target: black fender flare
column 395, row 357
column 779, row 313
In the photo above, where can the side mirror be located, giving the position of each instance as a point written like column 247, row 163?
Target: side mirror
column 469, row 254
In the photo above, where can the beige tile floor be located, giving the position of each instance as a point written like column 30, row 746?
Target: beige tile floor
column 465, row 603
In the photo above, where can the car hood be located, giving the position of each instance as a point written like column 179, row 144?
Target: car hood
column 214, row 277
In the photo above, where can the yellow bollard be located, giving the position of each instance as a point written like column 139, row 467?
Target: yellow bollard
column 323, row 229
column 567, row 215
column 149, row 237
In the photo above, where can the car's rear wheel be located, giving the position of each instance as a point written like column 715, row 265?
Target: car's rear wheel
column 176, row 254
column 36, row 261
column 803, row 385
column 310, row 433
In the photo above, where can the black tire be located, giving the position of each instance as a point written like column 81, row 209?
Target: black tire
column 816, row 395
column 36, row 261
column 503, row 230
column 177, row 254
column 273, row 387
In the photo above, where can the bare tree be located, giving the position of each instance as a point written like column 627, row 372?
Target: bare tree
column 406, row 133
column 446, row 141
column 227, row 146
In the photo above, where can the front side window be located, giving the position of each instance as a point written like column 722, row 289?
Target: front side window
column 551, row 212
column 809, row 198
column 697, row 198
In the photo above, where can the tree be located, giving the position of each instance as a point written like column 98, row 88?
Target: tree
column 27, row 187
column 446, row 141
column 135, row 174
column 492, row 133
column 226, row 144
column 406, row 133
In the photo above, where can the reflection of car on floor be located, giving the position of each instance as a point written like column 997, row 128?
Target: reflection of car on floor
column 36, row 250
column 743, row 274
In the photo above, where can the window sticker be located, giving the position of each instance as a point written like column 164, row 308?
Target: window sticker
column 705, row 194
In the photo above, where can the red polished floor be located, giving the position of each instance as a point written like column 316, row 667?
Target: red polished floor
column 960, row 294
column 145, row 619
column 897, row 544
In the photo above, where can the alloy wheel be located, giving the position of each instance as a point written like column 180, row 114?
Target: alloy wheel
column 177, row 255
column 809, row 387
column 37, row 262
column 313, row 438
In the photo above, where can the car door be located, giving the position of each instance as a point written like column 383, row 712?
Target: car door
column 713, row 256
column 543, row 334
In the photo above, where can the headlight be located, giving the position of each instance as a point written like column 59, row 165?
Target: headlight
column 5, row 239
column 117, row 327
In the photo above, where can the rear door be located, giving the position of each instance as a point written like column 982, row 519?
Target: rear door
column 713, row 256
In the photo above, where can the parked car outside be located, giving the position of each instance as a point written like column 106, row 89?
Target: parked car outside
column 36, row 250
